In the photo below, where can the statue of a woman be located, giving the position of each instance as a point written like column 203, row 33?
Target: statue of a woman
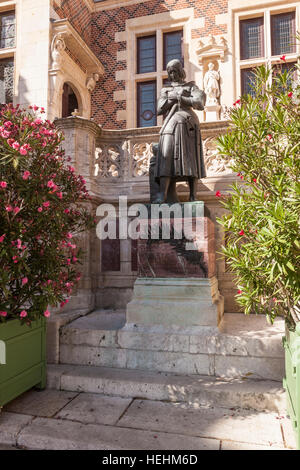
column 211, row 85
column 179, row 153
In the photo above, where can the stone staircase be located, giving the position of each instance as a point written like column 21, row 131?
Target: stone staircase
column 239, row 365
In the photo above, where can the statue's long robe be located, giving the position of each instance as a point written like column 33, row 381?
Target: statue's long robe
column 180, row 153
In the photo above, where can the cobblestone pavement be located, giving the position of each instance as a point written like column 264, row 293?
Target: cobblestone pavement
column 52, row 419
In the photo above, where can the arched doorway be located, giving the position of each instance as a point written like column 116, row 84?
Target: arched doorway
column 69, row 101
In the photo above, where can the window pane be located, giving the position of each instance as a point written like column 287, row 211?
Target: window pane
column 252, row 38
column 146, row 54
column 172, row 47
column 283, row 33
column 146, row 104
column 247, row 78
column 7, row 30
column 6, row 80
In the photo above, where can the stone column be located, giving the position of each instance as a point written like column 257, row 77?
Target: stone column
column 79, row 144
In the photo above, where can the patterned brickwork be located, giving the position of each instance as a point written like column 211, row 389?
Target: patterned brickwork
column 78, row 14
column 104, row 26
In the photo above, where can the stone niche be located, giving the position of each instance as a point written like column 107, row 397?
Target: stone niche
column 210, row 54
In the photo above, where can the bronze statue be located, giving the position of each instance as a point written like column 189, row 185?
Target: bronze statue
column 179, row 153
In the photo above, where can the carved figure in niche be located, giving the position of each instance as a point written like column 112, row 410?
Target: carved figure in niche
column 57, row 47
column 211, row 85
column 179, row 153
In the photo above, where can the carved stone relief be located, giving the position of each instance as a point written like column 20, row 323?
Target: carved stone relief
column 108, row 162
column 142, row 152
column 215, row 164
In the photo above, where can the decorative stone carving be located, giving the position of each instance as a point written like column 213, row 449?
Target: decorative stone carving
column 212, row 48
column 211, row 85
column 58, row 45
column 91, row 81
column 215, row 164
column 142, row 154
column 108, row 162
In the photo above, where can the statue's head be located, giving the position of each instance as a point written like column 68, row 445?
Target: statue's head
column 175, row 71
column 211, row 66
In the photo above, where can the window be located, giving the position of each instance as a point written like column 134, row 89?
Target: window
column 263, row 40
column 170, row 44
column 252, row 38
column 146, row 104
column 172, row 47
column 6, row 80
column 69, row 101
column 283, row 33
column 146, row 61
column 7, row 29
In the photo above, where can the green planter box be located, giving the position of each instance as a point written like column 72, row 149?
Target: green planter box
column 291, row 382
column 23, row 349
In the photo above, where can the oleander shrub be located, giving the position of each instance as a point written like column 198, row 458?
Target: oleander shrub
column 41, row 210
column 261, row 220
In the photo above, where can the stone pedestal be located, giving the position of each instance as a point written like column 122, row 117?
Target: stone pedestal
column 212, row 113
column 176, row 301
column 176, row 284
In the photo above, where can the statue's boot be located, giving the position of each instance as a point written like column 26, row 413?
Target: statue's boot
column 193, row 189
column 172, row 197
column 164, row 184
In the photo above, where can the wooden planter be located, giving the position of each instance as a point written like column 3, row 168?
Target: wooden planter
column 23, row 349
column 291, row 382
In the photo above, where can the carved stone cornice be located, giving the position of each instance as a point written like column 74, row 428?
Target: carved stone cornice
column 64, row 36
column 212, row 48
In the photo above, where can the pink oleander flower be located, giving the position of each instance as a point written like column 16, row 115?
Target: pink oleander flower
column 282, row 58
column 218, row 194
column 67, row 211
column 74, row 259
column 40, row 209
column 24, row 281
column 5, row 134
column 8, row 124
column 51, row 184
column 47, row 313
column 10, row 142
column 237, row 102
column 38, row 121
column 59, row 195
column 69, row 235
column 242, row 233
column 16, row 145
column 239, row 291
column 269, row 137
column 2, row 237
column 3, row 313
column 46, row 204
column 35, row 107
column 23, row 314
column 16, row 210
column 26, row 175
column 19, row 243
column 8, row 208
column 290, row 94
column 3, row 184
column 23, row 150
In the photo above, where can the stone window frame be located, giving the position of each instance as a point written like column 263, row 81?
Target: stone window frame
column 10, row 52
column 142, row 26
column 253, row 10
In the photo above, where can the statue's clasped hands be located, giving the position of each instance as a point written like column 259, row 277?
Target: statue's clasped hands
column 176, row 95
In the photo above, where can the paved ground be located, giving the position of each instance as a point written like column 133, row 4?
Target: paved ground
column 53, row 419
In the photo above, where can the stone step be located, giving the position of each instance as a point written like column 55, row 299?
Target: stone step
column 242, row 346
column 194, row 390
